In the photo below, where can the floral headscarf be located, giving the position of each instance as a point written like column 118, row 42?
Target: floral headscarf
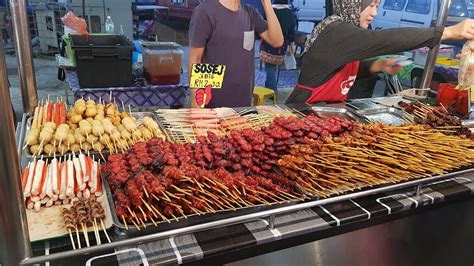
column 344, row 10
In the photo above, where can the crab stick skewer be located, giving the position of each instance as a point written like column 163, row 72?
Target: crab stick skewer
column 55, row 177
column 29, row 181
column 82, row 160
column 38, row 177
column 70, row 178
column 49, row 184
column 79, row 175
column 93, row 181
column 63, row 180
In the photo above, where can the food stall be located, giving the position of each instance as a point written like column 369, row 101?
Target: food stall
column 97, row 182
column 136, row 224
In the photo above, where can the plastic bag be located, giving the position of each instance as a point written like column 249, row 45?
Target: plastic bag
column 393, row 84
column 466, row 67
column 290, row 60
column 75, row 23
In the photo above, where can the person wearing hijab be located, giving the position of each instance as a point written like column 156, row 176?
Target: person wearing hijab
column 332, row 56
column 274, row 57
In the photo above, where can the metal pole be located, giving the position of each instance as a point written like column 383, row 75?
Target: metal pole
column 14, row 240
column 84, row 10
column 433, row 53
column 24, row 55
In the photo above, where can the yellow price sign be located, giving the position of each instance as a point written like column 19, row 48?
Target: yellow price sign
column 203, row 75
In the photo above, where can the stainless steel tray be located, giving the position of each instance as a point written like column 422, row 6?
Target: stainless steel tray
column 362, row 104
column 389, row 116
column 138, row 115
column 388, row 186
column 192, row 219
column 338, row 112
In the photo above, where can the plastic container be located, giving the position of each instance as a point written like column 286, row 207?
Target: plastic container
column 162, row 62
column 462, row 103
column 173, row 96
column 447, row 94
column 447, row 62
column 103, row 60
column 420, row 55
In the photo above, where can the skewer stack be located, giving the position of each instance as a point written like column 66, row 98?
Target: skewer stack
column 436, row 117
column 83, row 215
column 175, row 180
column 87, row 126
column 184, row 125
column 61, row 181
column 374, row 155
column 176, row 193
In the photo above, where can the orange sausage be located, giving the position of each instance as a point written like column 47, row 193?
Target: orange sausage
column 25, row 178
column 49, row 113
column 56, row 114
column 62, row 113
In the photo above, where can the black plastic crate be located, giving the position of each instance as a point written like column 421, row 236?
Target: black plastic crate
column 103, row 60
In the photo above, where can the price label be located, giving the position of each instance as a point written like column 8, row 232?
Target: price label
column 203, row 75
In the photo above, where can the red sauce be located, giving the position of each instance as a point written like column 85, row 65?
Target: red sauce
column 163, row 79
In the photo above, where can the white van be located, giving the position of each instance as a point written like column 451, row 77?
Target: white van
column 310, row 10
column 416, row 13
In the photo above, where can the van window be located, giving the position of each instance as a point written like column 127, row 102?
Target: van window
column 397, row 5
column 178, row 2
column 419, row 6
column 458, row 8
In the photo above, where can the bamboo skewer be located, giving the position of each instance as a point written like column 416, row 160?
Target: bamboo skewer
column 72, row 239
column 78, row 237
column 105, row 231
column 86, row 235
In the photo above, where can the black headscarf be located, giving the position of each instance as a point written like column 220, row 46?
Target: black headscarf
column 344, row 10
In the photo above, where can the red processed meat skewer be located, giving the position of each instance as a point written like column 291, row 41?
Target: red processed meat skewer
column 56, row 114
column 49, row 112
column 62, row 113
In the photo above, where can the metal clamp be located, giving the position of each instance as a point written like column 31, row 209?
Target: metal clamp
column 271, row 222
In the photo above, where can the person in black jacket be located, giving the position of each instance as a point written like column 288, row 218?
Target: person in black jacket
column 273, row 57
column 332, row 56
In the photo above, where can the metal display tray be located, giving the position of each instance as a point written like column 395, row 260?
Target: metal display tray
column 48, row 223
column 337, row 112
column 389, row 116
column 362, row 104
column 192, row 219
column 138, row 115
column 388, row 186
